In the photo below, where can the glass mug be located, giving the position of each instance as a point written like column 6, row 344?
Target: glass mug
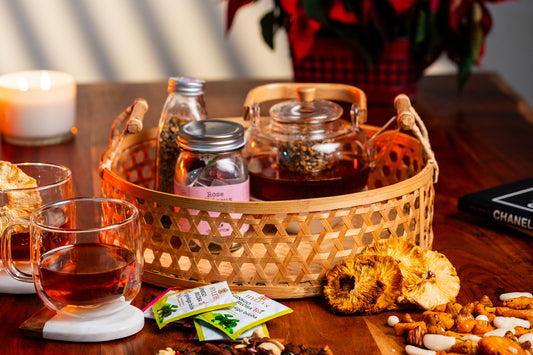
column 54, row 183
column 86, row 255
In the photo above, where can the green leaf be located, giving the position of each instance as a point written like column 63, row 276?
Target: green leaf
column 166, row 311
column 317, row 9
column 464, row 70
column 470, row 54
column 427, row 35
column 421, row 32
column 354, row 34
column 355, row 6
column 268, row 28
column 476, row 40
column 225, row 321
column 434, row 36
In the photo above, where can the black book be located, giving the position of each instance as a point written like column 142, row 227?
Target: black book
column 510, row 204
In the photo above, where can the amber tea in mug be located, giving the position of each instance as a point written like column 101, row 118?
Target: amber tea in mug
column 85, row 254
column 69, row 276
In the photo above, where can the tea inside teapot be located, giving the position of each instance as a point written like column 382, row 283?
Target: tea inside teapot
column 304, row 150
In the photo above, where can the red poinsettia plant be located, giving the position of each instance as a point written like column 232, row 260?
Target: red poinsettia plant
column 455, row 27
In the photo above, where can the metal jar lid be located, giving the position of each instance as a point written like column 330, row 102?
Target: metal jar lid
column 306, row 110
column 211, row 136
column 186, row 86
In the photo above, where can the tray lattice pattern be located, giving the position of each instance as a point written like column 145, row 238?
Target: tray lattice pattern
column 280, row 249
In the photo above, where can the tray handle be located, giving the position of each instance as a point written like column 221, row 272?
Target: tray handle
column 408, row 119
column 133, row 119
column 276, row 91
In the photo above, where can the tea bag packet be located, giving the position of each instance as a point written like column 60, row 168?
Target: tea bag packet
column 251, row 310
column 206, row 332
column 182, row 304
column 148, row 309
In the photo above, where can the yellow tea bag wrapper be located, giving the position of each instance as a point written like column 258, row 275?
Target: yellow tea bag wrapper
column 251, row 310
column 183, row 304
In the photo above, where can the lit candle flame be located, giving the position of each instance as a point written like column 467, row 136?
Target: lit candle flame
column 23, row 84
column 45, row 81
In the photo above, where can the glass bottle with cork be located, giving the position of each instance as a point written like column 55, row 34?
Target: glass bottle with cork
column 185, row 102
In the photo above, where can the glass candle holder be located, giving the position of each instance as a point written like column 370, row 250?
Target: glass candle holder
column 37, row 107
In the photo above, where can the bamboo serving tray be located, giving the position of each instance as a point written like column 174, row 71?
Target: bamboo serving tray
column 289, row 245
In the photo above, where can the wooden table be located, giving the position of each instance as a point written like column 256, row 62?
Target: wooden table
column 481, row 139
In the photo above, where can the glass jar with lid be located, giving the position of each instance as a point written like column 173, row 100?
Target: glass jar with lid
column 211, row 157
column 211, row 166
column 304, row 149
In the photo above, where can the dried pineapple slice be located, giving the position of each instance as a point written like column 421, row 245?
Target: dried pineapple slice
column 439, row 283
column 367, row 284
column 16, row 203
column 408, row 255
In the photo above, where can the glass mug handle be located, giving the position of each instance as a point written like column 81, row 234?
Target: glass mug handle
column 7, row 260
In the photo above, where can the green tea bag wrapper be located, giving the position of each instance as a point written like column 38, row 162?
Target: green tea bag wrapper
column 251, row 310
column 182, row 304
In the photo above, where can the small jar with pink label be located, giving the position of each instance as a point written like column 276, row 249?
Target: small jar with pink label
column 211, row 166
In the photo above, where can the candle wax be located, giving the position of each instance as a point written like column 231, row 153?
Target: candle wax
column 37, row 106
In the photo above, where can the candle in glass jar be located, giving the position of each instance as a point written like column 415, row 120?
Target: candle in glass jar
column 37, row 107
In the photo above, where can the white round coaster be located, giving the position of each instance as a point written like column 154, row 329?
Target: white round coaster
column 118, row 325
column 10, row 285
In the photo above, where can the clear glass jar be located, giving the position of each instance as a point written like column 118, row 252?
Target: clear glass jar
column 211, row 166
column 305, row 150
column 185, row 102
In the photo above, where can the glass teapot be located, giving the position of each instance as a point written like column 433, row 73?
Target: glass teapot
column 304, row 149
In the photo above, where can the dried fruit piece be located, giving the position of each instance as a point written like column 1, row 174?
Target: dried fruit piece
column 408, row 255
column 511, row 312
column 367, row 284
column 508, row 295
column 438, row 285
column 440, row 319
column 18, row 203
column 405, row 328
column 428, row 277
column 493, row 345
column 416, row 336
column 519, row 303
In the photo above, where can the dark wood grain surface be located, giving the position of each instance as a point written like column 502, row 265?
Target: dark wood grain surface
column 481, row 139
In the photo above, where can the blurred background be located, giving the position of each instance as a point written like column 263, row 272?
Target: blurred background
column 143, row 40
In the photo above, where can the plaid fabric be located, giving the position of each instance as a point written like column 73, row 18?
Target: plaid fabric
column 336, row 61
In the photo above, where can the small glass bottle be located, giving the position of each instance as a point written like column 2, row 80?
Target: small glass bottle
column 185, row 102
column 211, row 166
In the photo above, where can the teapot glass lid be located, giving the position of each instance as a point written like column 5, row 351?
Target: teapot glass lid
column 306, row 109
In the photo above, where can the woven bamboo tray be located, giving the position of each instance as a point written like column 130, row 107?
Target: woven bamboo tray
column 289, row 245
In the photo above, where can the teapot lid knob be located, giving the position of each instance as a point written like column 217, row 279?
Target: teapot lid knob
column 306, row 95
